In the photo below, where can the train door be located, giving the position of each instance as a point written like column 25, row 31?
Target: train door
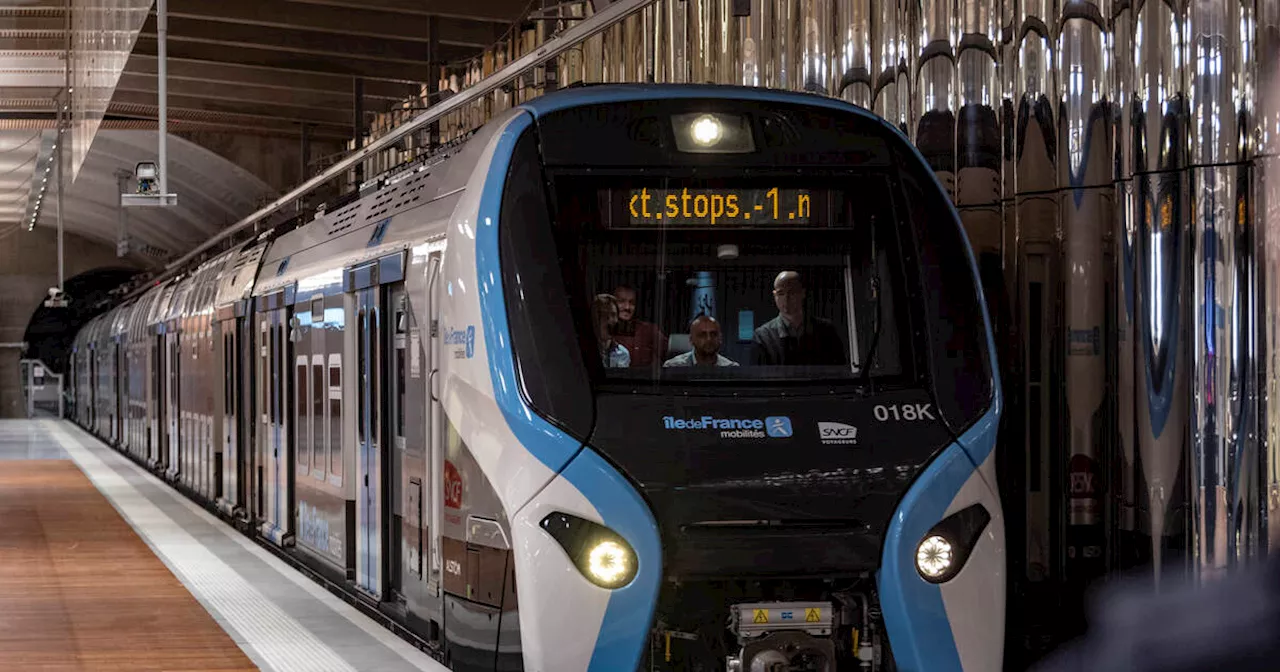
column 396, row 335
column 275, row 464
column 369, row 442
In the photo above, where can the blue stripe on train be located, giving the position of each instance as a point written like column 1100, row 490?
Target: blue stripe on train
column 625, row 628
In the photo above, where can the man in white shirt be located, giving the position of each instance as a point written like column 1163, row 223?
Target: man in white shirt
column 704, row 334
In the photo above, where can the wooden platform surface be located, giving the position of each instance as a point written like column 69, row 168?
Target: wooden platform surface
column 79, row 590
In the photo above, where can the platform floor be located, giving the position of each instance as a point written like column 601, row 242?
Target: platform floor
column 105, row 567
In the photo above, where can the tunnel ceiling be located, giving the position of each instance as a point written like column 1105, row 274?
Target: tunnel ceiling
column 245, row 67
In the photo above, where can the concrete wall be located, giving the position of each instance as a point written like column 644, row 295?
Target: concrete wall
column 274, row 160
column 28, row 268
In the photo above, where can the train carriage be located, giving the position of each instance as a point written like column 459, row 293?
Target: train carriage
column 436, row 393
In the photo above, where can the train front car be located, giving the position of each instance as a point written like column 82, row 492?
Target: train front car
column 743, row 403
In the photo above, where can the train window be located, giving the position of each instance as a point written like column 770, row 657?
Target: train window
column 301, row 446
column 666, row 270
column 282, row 366
column 400, row 317
column 361, row 381
column 375, row 340
column 232, row 368
column 226, row 372
column 335, row 415
column 958, row 339
column 318, row 397
column 274, row 385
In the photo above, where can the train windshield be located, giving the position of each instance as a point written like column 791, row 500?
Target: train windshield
column 686, row 278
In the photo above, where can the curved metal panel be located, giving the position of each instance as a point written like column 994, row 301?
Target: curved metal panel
column 1034, row 246
column 891, row 83
column 1223, row 454
column 1126, row 548
column 854, row 78
column 818, row 57
column 1267, row 253
column 978, row 139
column 1161, row 266
column 755, row 45
column 671, row 40
column 1085, row 173
column 933, row 113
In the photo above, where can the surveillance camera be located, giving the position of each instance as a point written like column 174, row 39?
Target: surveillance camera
column 147, row 176
column 54, row 292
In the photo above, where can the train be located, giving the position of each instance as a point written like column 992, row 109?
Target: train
column 636, row 377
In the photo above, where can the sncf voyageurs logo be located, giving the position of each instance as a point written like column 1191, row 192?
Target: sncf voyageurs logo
column 777, row 426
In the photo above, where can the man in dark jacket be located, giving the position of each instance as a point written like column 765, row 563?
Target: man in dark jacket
column 794, row 337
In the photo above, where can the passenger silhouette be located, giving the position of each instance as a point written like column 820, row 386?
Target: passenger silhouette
column 605, row 316
column 704, row 334
column 644, row 340
column 794, row 337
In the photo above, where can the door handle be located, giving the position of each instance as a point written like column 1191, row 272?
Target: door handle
column 431, row 385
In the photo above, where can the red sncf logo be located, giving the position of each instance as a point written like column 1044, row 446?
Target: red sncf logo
column 452, row 486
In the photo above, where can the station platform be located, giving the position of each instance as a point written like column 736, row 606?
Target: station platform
column 105, row 567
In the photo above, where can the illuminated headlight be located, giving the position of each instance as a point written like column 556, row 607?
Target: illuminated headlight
column 608, row 562
column 706, row 130
column 602, row 555
column 713, row 133
column 933, row 556
column 944, row 549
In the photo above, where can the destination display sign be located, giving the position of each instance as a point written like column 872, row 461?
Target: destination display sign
column 718, row 207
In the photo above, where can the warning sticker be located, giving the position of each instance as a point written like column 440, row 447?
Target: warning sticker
column 812, row 615
column 759, row 615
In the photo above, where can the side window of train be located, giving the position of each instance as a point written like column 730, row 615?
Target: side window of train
column 319, row 397
column 335, row 416
column 549, row 364
column 361, row 327
column 962, row 375
column 301, row 407
column 402, row 328
column 375, row 379
column 274, row 384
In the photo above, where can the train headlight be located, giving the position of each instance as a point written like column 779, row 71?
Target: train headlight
column 608, row 562
column 934, row 557
column 713, row 133
column 706, row 130
column 945, row 548
column 602, row 555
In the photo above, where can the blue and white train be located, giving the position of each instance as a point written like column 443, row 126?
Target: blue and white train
column 637, row 377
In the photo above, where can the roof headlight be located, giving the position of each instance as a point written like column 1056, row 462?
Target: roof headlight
column 706, row 130
column 713, row 133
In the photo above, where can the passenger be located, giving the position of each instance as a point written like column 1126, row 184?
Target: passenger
column 794, row 338
column 704, row 334
column 605, row 315
column 644, row 340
